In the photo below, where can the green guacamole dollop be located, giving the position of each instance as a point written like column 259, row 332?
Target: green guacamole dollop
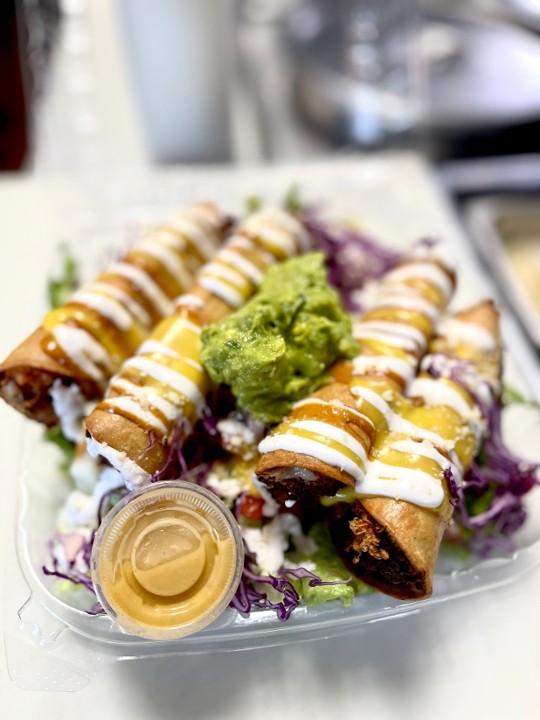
column 277, row 348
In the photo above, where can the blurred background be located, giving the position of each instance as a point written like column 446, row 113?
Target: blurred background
column 118, row 84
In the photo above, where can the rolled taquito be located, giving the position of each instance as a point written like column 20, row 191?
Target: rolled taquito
column 325, row 441
column 79, row 346
column 390, row 531
column 152, row 404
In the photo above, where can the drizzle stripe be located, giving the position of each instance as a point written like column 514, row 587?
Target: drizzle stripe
column 129, row 302
column 107, row 307
column 150, row 288
column 303, row 446
column 333, row 433
column 167, row 377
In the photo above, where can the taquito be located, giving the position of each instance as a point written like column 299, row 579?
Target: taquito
column 69, row 359
column 154, row 401
column 390, row 532
column 325, row 441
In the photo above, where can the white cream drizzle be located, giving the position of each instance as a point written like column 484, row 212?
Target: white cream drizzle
column 109, row 308
column 225, row 272
column 397, row 423
column 423, row 448
column 395, row 334
column 169, row 259
column 249, row 269
column 150, row 289
column 401, row 483
column 367, row 364
column 189, row 300
column 167, row 377
column 458, row 331
column 332, row 404
column 312, row 448
column 195, row 235
column 400, row 425
column 469, row 374
column 374, row 399
column 131, row 305
column 293, row 225
column 435, row 393
column 241, row 241
column 221, row 290
column 153, row 346
column 170, row 239
column 203, row 212
column 430, row 272
column 333, row 433
column 409, row 301
column 136, row 409
column 146, row 397
column 280, row 229
column 86, row 352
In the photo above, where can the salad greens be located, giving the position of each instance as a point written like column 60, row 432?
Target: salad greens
column 326, row 564
column 55, row 436
column 60, row 289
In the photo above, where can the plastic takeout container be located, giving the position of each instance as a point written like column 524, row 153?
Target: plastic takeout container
column 53, row 645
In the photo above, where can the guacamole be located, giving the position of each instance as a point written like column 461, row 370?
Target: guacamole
column 276, row 349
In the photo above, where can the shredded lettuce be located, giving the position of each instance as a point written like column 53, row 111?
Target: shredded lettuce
column 60, row 289
column 252, row 204
column 292, row 201
column 326, row 564
column 511, row 396
column 55, row 436
column 278, row 592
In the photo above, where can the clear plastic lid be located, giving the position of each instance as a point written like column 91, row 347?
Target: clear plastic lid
column 167, row 560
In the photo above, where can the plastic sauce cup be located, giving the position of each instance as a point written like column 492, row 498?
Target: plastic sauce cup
column 167, row 560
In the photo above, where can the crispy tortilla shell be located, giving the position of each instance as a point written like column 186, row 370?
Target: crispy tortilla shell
column 27, row 375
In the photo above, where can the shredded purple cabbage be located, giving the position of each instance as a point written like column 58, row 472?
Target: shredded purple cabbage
column 489, row 506
column 76, row 548
column 453, row 488
column 351, row 257
column 175, row 459
column 152, row 440
column 249, row 597
column 209, row 421
column 500, row 478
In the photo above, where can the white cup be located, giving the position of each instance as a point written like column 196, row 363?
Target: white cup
column 180, row 56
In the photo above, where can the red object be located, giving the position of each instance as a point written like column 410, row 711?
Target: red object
column 251, row 508
column 14, row 120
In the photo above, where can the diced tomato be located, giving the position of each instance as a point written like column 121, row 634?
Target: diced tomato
column 251, row 508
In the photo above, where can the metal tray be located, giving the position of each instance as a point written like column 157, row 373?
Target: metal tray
column 507, row 233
